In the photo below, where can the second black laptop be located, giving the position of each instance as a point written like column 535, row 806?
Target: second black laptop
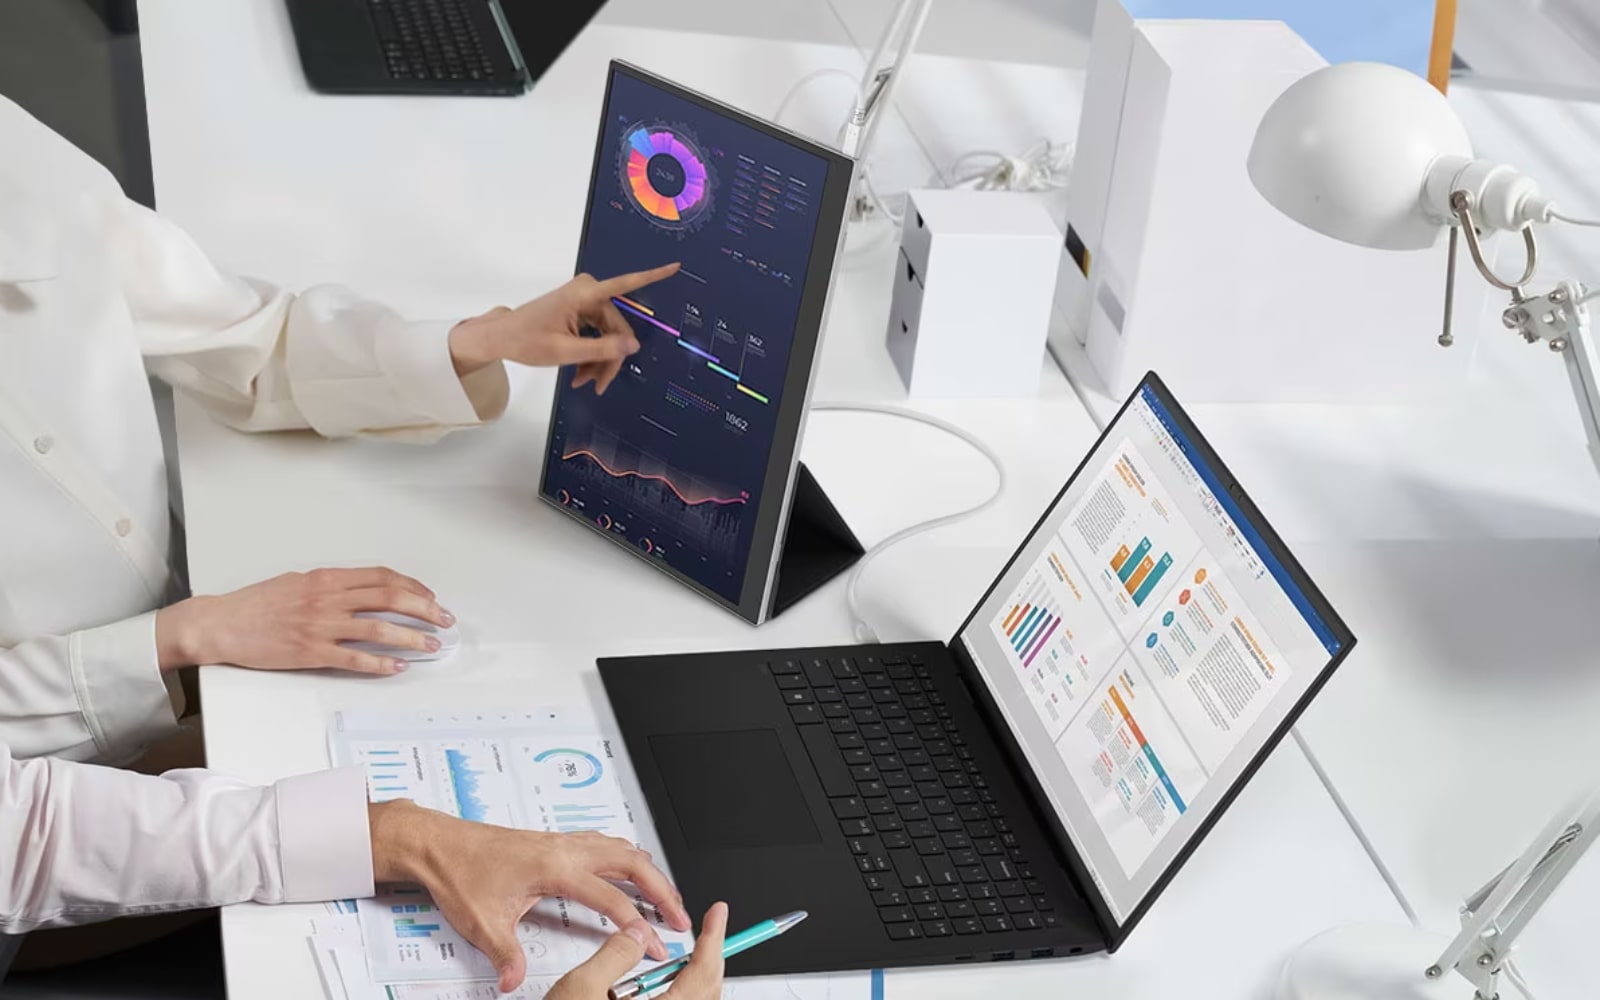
column 463, row 47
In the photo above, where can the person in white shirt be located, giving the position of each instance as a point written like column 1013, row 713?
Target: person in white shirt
column 97, row 294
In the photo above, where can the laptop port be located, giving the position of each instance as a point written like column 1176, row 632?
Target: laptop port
column 1003, row 956
column 1042, row 953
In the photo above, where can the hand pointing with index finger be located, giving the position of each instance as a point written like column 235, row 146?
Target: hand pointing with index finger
column 576, row 325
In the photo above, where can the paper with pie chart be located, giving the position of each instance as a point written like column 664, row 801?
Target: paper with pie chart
column 534, row 770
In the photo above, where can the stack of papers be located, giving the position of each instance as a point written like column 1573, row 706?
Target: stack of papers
column 549, row 769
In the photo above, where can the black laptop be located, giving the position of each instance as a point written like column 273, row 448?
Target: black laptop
column 469, row 47
column 1027, row 789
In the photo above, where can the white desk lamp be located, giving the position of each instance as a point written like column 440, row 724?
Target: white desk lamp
column 1373, row 155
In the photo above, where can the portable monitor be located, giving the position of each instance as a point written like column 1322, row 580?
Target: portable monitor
column 690, row 458
column 1026, row 789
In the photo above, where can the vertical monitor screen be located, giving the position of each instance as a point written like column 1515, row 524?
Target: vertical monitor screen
column 680, row 458
column 1146, row 645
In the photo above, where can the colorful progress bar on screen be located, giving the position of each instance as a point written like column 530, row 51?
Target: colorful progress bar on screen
column 1138, row 572
column 680, row 180
column 712, row 361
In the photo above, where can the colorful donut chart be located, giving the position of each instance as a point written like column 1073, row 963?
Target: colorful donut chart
column 665, row 176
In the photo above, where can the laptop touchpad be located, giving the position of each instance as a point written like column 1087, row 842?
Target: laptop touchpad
column 733, row 789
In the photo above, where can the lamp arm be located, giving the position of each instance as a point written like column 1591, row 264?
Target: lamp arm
column 1495, row 916
column 1560, row 318
column 877, row 80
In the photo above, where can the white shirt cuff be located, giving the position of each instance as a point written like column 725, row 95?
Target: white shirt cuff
column 117, row 674
column 324, row 846
column 416, row 358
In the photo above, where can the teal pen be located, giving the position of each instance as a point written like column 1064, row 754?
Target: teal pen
column 651, row 980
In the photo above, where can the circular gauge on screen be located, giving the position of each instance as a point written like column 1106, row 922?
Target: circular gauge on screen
column 665, row 176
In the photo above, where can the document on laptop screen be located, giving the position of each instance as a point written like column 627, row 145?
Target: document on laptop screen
column 1143, row 647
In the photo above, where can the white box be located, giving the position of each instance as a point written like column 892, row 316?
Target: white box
column 973, row 293
column 1174, row 262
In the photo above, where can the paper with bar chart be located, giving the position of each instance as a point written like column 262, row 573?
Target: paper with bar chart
column 1128, row 530
column 532, row 771
column 1132, row 765
column 1057, row 638
column 1212, row 661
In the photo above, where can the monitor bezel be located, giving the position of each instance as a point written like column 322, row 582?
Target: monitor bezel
column 777, row 492
column 1117, row 932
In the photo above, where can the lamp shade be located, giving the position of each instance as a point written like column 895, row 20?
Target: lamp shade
column 1345, row 151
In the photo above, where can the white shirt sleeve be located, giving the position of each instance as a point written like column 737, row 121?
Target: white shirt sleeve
column 97, row 694
column 261, row 359
column 80, row 843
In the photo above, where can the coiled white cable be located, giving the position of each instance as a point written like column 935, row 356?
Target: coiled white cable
column 1044, row 166
column 864, row 632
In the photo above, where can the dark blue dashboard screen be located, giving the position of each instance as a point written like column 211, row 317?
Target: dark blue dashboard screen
column 671, row 460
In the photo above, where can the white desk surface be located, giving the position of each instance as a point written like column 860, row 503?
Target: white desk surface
column 443, row 207
column 1458, row 539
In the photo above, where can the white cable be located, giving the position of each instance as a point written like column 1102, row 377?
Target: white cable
column 1515, row 975
column 878, row 201
column 802, row 83
column 1044, row 166
column 864, row 631
column 1592, row 223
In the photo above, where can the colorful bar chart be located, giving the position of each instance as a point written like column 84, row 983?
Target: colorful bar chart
column 1127, row 563
column 1149, row 753
column 1153, row 577
column 1032, row 621
column 1139, row 572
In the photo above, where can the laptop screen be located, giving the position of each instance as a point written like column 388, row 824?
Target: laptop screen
column 1146, row 645
column 685, row 458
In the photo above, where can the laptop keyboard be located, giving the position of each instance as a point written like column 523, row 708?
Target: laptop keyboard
column 430, row 40
column 933, row 848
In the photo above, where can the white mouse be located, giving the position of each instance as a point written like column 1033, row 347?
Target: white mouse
column 449, row 638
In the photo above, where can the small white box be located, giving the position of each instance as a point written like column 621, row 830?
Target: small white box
column 972, row 293
column 1174, row 261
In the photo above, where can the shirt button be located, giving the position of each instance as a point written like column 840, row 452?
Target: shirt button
column 43, row 443
column 124, row 527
